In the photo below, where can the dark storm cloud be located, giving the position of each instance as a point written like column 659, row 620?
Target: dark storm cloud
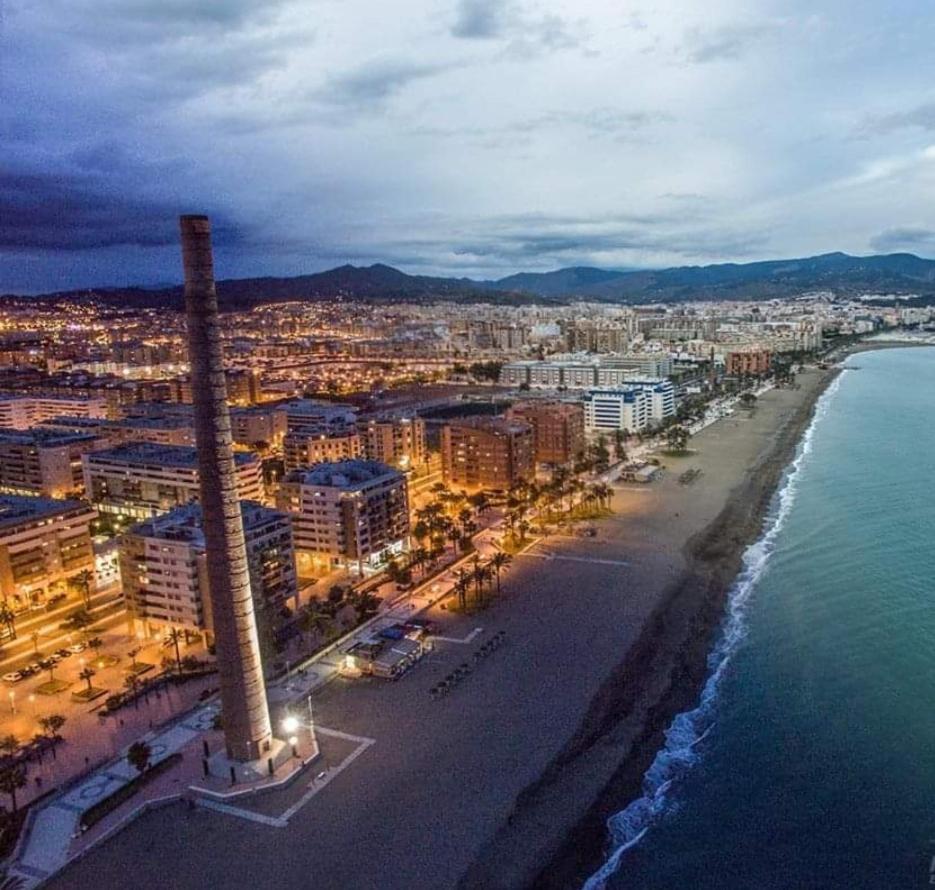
column 905, row 239
column 40, row 212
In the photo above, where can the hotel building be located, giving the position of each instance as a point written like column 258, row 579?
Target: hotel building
column 632, row 407
column 352, row 513
column 142, row 480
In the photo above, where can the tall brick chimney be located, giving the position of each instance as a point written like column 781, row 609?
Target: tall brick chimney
column 246, row 718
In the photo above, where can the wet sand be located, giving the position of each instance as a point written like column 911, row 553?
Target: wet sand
column 507, row 781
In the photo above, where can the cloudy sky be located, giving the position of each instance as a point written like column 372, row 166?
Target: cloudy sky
column 475, row 137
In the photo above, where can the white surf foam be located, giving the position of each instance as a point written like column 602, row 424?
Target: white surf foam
column 680, row 752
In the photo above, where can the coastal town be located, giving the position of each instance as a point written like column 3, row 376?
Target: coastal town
column 394, row 467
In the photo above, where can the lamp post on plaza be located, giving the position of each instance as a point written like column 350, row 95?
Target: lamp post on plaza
column 12, row 701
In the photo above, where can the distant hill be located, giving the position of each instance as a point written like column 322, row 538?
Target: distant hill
column 844, row 275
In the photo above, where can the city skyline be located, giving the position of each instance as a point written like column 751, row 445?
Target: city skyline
column 626, row 138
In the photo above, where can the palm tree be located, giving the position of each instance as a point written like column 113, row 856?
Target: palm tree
column 174, row 638
column 87, row 674
column 34, row 636
column 95, row 644
column 51, row 726
column 462, row 584
column 138, row 755
column 82, row 584
column 9, row 744
column 482, row 575
column 499, row 561
column 12, row 778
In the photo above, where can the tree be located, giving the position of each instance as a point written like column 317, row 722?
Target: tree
column 77, row 620
column 174, row 638
column 133, row 653
column 12, row 778
column 500, row 561
column 677, row 438
column 9, row 744
column 620, row 444
column 34, row 636
column 81, row 583
column 51, row 726
column 94, row 644
column 482, row 575
column 87, row 675
column 138, row 755
column 8, row 618
column 462, row 585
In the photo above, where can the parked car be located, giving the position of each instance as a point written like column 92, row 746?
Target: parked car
column 35, row 667
column 78, row 647
column 13, row 677
column 26, row 671
column 53, row 601
column 46, row 663
column 63, row 653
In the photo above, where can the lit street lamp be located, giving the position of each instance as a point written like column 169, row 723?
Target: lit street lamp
column 12, row 702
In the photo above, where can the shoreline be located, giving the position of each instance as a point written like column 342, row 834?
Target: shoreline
column 661, row 676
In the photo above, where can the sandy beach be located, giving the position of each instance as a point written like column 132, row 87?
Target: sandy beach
column 507, row 781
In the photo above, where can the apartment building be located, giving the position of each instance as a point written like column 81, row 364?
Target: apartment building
column 43, row 543
column 302, row 450
column 487, row 452
column 44, row 462
column 25, row 412
column 164, row 570
column 258, row 427
column 397, row 441
column 557, row 429
column 585, row 371
column 352, row 513
column 310, row 417
column 752, row 362
column 141, row 480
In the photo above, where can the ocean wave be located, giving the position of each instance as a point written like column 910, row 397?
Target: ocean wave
column 683, row 737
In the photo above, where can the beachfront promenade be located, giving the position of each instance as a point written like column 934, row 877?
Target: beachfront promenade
column 425, row 792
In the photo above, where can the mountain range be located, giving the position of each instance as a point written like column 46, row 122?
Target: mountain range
column 839, row 273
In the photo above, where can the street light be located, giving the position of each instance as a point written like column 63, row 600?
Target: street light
column 290, row 724
column 12, row 701
column 293, row 741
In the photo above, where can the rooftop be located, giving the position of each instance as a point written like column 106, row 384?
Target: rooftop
column 149, row 453
column 184, row 523
column 346, row 474
column 14, row 509
column 41, row 436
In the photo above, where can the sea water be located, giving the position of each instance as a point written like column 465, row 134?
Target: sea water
column 810, row 759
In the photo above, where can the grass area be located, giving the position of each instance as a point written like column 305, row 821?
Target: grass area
column 52, row 687
column 86, row 695
column 106, row 806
